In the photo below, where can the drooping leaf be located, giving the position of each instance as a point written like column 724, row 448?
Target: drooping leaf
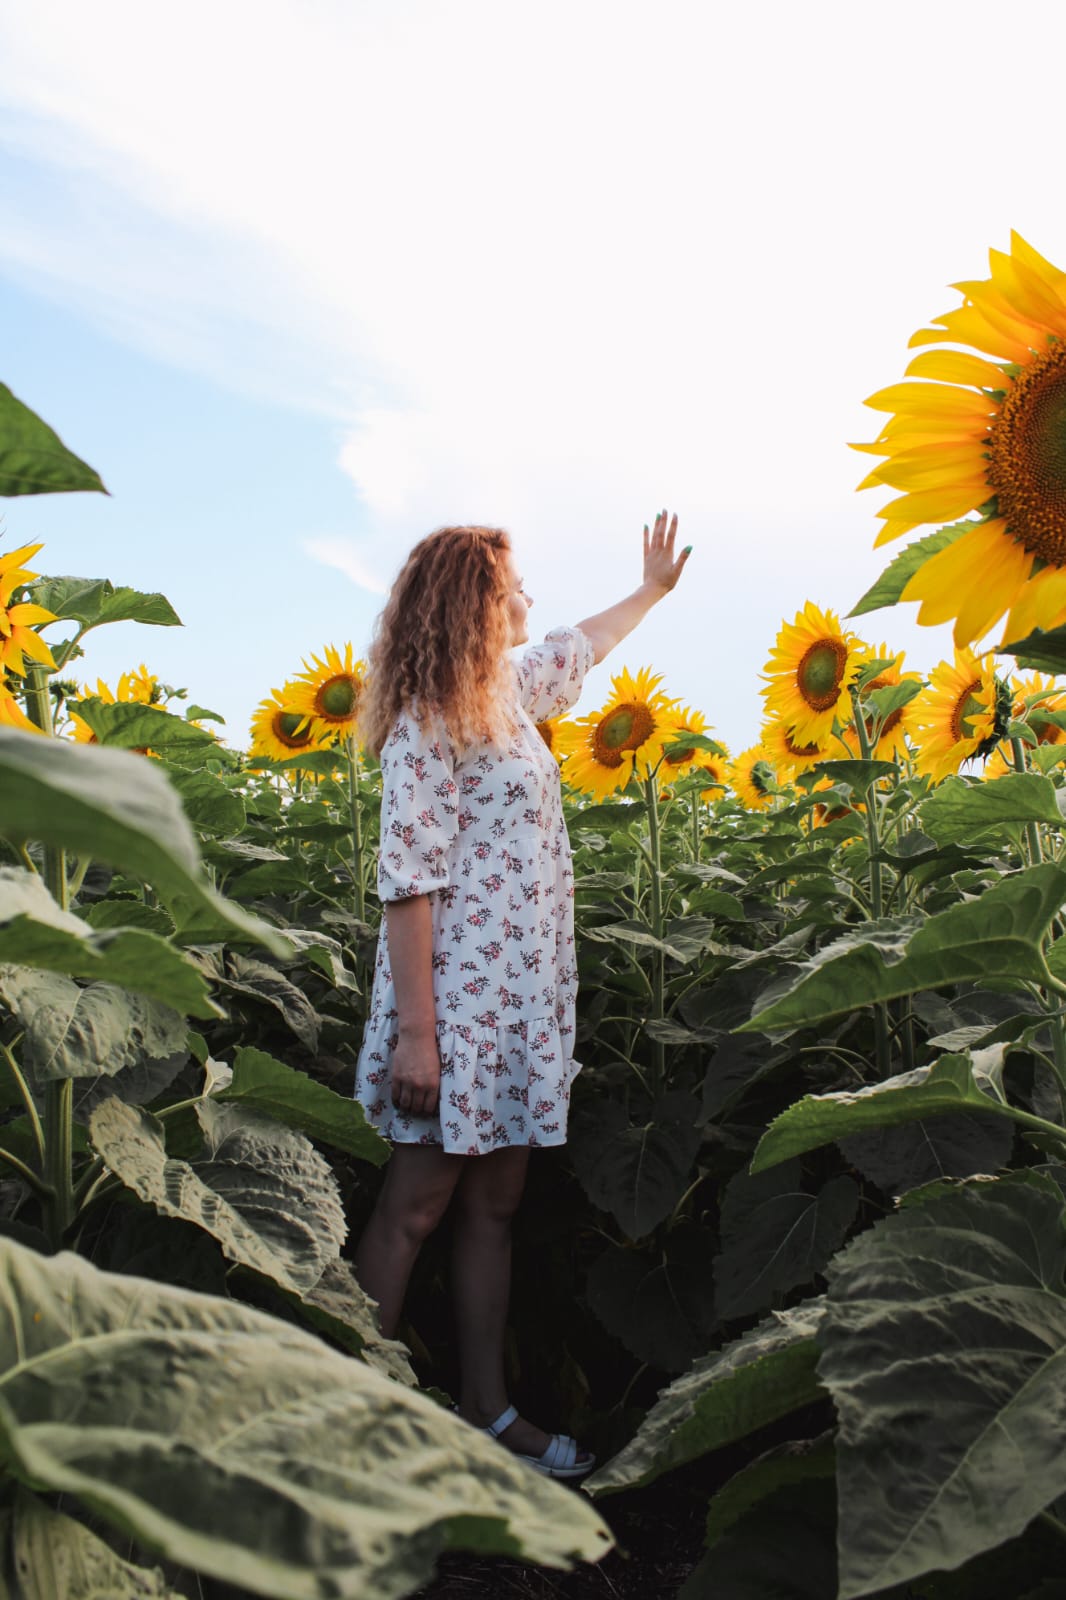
column 858, row 775
column 637, row 1171
column 724, row 1396
column 34, row 932
column 246, row 1449
column 262, row 1191
column 956, row 810
column 115, row 807
column 33, row 458
column 944, row 1089
column 338, row 1306
column 782, row 1546
column 1043, row 650
column 56, row 1558
column 798, row 1461
column 775, row 1236
column 944, row 1345
column 889, row 587
column 276, row 1090
column 92, row 1031
column 995, row 937
column 259, row 981
column 658, row 1302
column 91, row 602
column 130, row 726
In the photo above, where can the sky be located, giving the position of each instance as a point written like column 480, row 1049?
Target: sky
column 359, row 269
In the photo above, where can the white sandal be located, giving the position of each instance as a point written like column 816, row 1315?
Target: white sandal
column 559, row 1460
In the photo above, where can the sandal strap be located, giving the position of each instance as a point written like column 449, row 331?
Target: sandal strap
column 561, row 1452
column 503, row 1421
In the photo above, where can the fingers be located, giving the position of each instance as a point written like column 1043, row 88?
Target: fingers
column 415, row 1100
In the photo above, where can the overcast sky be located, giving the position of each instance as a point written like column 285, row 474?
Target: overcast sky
column 305, row 280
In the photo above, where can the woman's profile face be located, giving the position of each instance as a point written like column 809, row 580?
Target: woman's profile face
column 518, row 603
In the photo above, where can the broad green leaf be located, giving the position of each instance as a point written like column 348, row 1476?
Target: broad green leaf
column 321, row 951
column 782, row 1546
column 202, row 714
column 338, row 1306
column 685, row 948
column 33, row 458
column 91, row 602
column 290, row 1096
column 859, row 775
column 893, row 697
column 958, row 1145
column 1043, row 650
column 658, row 1302
column 610, row 814
column 34, row 932
column 259, row 981
column 944, row 1089
column 262, row 1191
column 798, row 1461
column 130, row 726
column 116, row 807
column 889, row 587
column 944, row 1348
column 247, row 1449
column 637, row 1171
column 57, row 1558
column 210, row 805
column 775, row 1236
column 725, row 1396
column 956, row 810
column 994, row 937
column 106, row 915
column 98, row 1030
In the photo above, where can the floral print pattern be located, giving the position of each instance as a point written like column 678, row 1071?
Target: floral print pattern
column 482, row 834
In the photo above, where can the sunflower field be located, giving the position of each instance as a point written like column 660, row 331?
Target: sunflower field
column 799, row 1270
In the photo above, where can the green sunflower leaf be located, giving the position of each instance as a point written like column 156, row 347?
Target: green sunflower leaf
column 264, row 1084
column 858, row 774
column 890, row 585
column 33, row 458
column 1043, row 650
column 957, row 809
column 997, row 936
column 129, row 726
column 91, row 602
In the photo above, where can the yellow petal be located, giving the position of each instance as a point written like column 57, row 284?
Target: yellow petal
column 17, row 558
column 1024, row 292
column 967, row 325
column 944, row 504
column 974, row 580
column 28, row 615
column 1037, row 263
column 1041, row 604
column 933, row 466
column 34, row 646
column 957, row 366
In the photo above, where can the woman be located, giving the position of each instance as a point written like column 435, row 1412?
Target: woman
column 467, row 1058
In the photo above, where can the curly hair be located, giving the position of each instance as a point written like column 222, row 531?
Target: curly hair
column 440, row 645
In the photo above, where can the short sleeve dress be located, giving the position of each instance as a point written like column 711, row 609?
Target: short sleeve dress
column 482, row 834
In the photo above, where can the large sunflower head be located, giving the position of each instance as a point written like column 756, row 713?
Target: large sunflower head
column 985, row 432
column 788, row 755
column 963, row 712
column 281, row 731
column 625, row 738
column 1036, row 700
column 686, row 758
column 810, row 672
column 328, row 691
column 753, row 779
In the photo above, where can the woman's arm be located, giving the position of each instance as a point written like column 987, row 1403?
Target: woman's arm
column 416, row 1060
column 661, row 572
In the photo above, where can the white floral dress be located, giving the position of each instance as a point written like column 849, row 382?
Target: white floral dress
column 483, row 835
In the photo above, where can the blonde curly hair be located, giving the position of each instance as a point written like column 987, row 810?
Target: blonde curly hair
column 440, row 645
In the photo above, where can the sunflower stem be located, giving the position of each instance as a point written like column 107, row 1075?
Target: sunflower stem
column 696, row 840
column 1032, row 829
column 657, row 959
column 873, row 837
column 352, row 752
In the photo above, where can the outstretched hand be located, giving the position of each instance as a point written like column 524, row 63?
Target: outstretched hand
column 661, row 570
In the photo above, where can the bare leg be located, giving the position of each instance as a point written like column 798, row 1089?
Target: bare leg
column 419, row 1182
column 488, row 1195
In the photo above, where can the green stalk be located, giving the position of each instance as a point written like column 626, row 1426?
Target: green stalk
column 1032, row 829
column 352, row 752
column 696, row 840
column 658, row 967
column 873, row 840
column 58, row 1097
column 27, row 1100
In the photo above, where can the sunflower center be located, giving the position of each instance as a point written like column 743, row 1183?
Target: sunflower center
column 821, row 671
column 625, row 727
column 679, row 758
column 546, row 732
column 285, row 726
column 966, row 708
column 803, row 750
column 1027, row 457
column 337, row 698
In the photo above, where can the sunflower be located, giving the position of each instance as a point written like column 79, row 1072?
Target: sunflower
column 823, row 815
column 985, row 435
column 716, row 769
column 812, row 667
column 18, row 623
column 328, row 692
column 753, row 778
column 1034, row 698
column 689, row 758
column 962, row 713
column 787, row 754
column 549, row 732
column 279, row 730
column 626, row 737
column 892, row 739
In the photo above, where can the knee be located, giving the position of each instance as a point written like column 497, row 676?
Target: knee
column 415, row 1219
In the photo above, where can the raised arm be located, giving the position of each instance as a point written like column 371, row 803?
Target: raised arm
column 661, row 572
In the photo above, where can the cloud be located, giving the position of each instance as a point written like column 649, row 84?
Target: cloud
column 347, row 557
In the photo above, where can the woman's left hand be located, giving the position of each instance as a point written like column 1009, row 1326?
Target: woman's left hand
column 661, row 570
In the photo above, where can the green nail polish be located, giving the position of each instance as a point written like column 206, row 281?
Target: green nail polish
column 687, row 551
